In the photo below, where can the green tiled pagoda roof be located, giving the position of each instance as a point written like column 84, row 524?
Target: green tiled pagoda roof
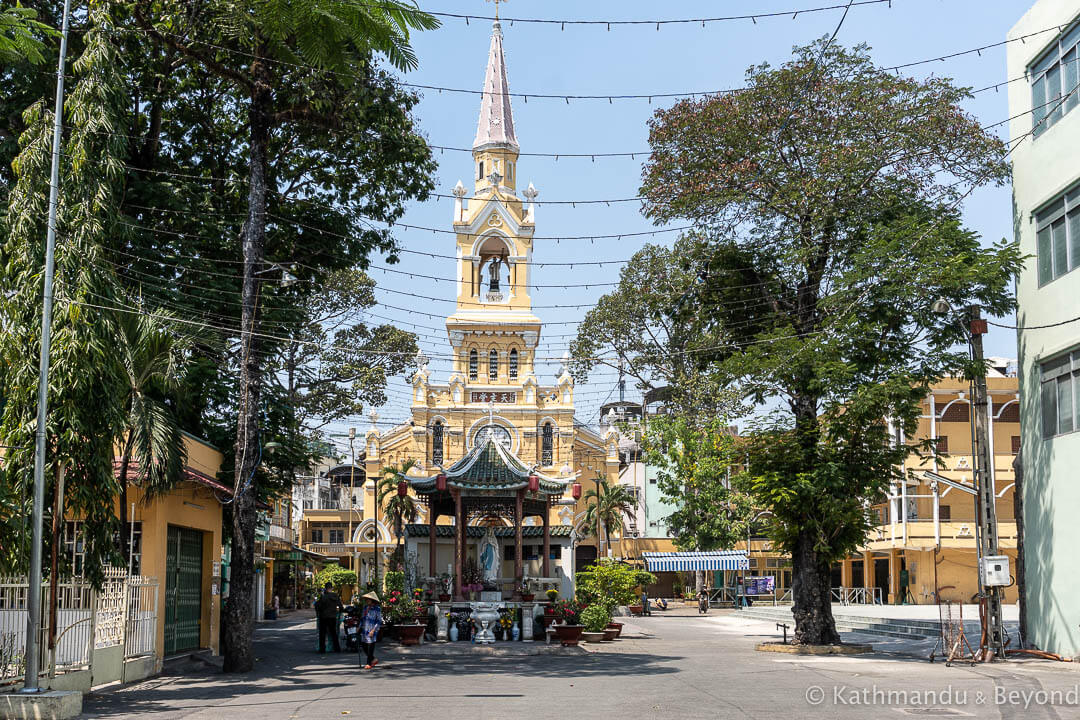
column 489, row 467
column 476, row 531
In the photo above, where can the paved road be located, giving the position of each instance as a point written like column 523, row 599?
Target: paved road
column 688, row 667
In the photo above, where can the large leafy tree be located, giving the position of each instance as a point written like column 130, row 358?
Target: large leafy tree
column 86, row 385
column 647, row 328
column 21, row 35
column 696, row 465
column 825, row 196
column 300, row 69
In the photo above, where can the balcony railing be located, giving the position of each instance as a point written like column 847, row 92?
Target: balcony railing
column 281, row 533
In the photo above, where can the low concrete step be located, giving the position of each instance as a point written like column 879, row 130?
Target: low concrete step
column 891, row 627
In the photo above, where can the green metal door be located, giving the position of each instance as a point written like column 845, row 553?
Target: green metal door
column 183, row 590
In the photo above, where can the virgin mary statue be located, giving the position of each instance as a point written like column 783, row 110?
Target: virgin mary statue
column 489, row 556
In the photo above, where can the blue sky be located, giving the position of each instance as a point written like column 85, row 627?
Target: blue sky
column 634, row 60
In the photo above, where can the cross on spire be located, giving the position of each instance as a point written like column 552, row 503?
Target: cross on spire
column 496, row 7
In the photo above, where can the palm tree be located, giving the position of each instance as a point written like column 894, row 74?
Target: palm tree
column 608, row 502
column 402, row 508
column 150, row 354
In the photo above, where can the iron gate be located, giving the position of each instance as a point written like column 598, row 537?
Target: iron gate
column 183, row 590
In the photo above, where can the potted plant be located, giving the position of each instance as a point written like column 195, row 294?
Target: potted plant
column 595, row 618
column 552, row 594
column 445, row 583
column 568, row 628
column 472, row 578
column 401, row 610
column 526, row 590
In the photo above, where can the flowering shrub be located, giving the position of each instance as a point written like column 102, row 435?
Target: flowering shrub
column 399, row 607
column 568, row 611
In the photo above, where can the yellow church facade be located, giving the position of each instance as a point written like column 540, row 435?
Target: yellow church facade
column 493, row 390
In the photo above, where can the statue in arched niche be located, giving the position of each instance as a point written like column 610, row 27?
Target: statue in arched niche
column 493, row 269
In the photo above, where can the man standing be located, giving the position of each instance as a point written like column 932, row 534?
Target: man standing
column 326, row 611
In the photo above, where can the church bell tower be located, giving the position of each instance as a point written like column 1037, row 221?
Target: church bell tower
column 493, row 331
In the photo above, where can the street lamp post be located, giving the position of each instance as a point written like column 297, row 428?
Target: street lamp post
column 982, row 454
column 352, row 494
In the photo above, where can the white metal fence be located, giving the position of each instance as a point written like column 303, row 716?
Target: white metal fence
column 123, row 612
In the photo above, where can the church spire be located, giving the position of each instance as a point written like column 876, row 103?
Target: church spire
column 496, row 126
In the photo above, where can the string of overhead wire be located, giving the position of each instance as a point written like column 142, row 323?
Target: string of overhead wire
column 610, row 97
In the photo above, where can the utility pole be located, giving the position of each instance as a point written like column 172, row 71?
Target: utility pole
column 33, row 599
column 985, row 498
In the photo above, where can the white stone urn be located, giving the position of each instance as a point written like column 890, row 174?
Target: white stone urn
column 485, row 614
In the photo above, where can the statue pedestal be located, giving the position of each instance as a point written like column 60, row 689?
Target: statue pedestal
column 491, row 596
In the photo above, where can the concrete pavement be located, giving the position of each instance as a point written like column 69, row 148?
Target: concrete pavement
column 679, row 666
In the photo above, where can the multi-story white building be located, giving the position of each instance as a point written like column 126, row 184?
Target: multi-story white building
column 1045, row 129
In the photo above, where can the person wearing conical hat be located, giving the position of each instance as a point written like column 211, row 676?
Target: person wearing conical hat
column 370, row 622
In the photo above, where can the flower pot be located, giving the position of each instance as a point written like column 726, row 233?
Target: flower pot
column 527, row 597
column 568, row 634
column 592, row 637
column 617, row 626
column 610, row 634
column 636, row 610
column 410, row 634
column 444, row 598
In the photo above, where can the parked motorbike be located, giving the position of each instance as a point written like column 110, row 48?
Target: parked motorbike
column 351, row 623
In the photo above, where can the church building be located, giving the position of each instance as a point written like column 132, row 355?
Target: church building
column 495, row 445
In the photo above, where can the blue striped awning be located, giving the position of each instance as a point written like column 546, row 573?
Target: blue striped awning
column 684, row 561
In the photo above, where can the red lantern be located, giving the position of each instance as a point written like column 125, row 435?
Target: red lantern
column 534, row 483
column 575, row 490
column 402, row 488
column 440, row 482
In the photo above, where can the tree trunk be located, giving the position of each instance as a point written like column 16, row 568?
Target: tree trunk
column 237, row 622
column 812, row 595
column 811, row 577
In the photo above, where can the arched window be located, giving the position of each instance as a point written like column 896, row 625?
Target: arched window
column 513, row 364
column 437, row 443
column 480, row 170
column 493, row 366
column 547, row 445
column 474, row 365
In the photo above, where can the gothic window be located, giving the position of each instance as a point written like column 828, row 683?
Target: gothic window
column 437, row 443
column 474, row 365
column 480, row 170
column 493, row 366
column 513, row 364
column 547, row 445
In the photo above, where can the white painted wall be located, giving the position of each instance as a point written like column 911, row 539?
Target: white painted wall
column 1043, row 168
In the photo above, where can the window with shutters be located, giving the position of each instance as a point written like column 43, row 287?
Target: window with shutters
column 1060, row 394
column 944, row 513
column 437, row 443
column 547, row 445
column 493, row 366
column 1054, row 77
column 513, row 364
column 1057, row 237
column 1015, row 444
column 942, row 444
column 474, row 365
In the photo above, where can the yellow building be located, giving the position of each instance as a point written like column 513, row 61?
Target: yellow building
column 176, row 538
column 493, row 390
column 928, row 528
